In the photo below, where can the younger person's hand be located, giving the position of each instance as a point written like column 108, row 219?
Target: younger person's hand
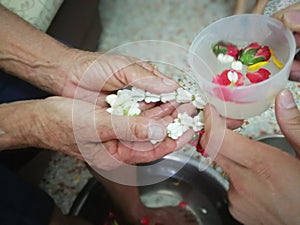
column 264, row 180
column 290, row 16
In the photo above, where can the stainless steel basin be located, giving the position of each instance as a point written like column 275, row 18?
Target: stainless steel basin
column 203, row 191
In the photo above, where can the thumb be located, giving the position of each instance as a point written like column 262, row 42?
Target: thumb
column 288, row 117
column 136, row 129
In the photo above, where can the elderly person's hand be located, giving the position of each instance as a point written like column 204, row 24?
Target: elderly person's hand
column 80, row 128
column 87, row 131
column 93, row 75
column 264, row 180
column 290, row 16
column 41, row 60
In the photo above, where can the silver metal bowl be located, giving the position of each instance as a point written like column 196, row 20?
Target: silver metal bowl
column 203, row 191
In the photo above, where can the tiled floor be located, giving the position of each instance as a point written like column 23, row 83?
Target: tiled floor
column 127, row 21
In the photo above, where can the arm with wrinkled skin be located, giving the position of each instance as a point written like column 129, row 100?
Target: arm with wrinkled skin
column 30, row 54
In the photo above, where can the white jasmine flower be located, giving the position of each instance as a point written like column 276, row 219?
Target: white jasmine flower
column 110, row 99
column 232, row 76
column 119, row 111
column 123, row 104
column 175, row 130
column 198, row 101
column 109, row 110
column 225, row 58
column 138, row 94
column 134, row 110
column 150, row 97
column 198, row 122
column 183, row 96
column 237, row 65
column 185, row 120
column 124, row 92
column 167, row 97
column 128, row 109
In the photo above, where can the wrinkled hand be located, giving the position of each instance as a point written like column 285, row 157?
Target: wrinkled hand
column 88, row 132
column 94, row 75
column 290, row 16
column 264, row 181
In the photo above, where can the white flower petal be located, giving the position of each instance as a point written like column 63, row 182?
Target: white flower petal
column 117, row 111
column 150, row 97
column 232, row 76
column 237, row 65
column 109, row 110
column 138, row 94
column 185, row 119
column 175, row 130
column 183, row 96
column 110, row 99
column 134, row 110
column 199, row 102
column 225, row 58
column 124, row 92
column 167, row 97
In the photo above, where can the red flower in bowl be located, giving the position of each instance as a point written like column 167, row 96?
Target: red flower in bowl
column 258, row 76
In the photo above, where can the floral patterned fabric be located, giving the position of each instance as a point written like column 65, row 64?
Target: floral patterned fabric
column 37, row 12
column 274, row 6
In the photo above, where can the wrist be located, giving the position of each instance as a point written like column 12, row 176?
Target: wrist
column 18, row 119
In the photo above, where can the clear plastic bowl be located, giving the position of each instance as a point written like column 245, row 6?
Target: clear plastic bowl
column 249, row 100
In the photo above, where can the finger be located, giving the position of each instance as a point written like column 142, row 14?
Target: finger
column 295, row 71
column 233, row 123
column 241, row 150
column 288, row 117
column 161, row 110
column 129, row 128
column 145, row 106
column 215, row 128
column 184, row 139
column 184, row 108
column 138, row 152
column 120, row 71
column 187, row 108
column 149, row 80
column 168, row 144
column 290, row 17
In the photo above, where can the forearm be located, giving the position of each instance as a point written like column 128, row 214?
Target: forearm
column 45, row 124
column 31, row 54
column 16, row 121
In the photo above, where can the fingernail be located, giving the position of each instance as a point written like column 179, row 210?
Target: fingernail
column 169, row 82
column 156, row 132
column 292, row 16
column 286, row 100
